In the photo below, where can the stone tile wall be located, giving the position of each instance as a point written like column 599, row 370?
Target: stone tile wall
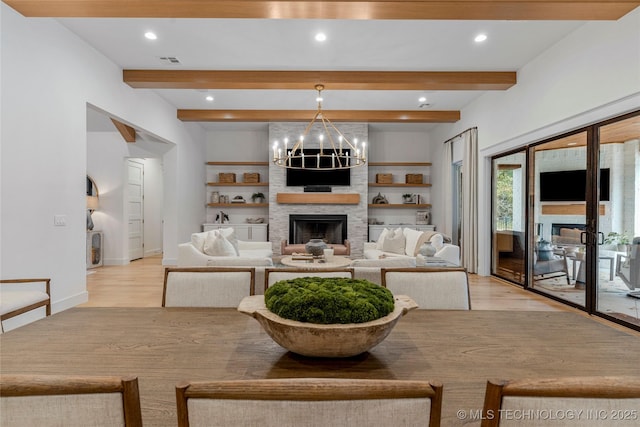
column 279, row 213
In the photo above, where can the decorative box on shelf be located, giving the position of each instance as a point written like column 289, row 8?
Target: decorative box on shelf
column 251, row 177
column 384, row 178
column 413, row 178
column 227, row 178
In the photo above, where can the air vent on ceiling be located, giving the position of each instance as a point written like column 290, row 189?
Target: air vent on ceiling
column 170, row 60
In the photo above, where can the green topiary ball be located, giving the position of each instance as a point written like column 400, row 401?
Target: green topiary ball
column 328, row 300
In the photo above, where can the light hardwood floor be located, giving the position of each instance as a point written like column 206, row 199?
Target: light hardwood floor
column 139, row 284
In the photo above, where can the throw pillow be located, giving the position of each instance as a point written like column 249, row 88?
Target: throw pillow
column 197, row 240
column 394, row 244
column 380, row 240
column 218, row 245
column 411, row 240
column 230, row 234
column 437, row 241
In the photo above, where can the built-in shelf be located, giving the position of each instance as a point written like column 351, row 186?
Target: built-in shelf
column 238, row 184
column 399, row 164
column 319, row 198
column 400, row 205
column 397, row 184
column 238, row 205
column 238, row 163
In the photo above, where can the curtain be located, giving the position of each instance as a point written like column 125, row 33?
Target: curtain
column 447, row 189
column 469, row 232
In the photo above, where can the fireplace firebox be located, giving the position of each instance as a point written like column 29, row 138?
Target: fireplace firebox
column 330, row 228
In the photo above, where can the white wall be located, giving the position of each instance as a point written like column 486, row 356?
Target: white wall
column 592, row 74
column 48, row 78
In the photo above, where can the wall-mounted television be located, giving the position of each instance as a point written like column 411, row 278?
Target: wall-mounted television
column 310, row 177
column 570, row 186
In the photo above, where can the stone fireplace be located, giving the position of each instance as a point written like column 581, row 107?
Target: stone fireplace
column 330, row 228
column 354, row 214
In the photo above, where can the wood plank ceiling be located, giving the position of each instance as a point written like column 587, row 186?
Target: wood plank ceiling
column 298, row 9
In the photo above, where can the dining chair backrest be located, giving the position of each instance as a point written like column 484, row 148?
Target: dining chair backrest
column 207, row 286
column 570, row 401
column 273, row 275
column 18, row 296
column 309, row 402
column 70, row 401
column 430, row 287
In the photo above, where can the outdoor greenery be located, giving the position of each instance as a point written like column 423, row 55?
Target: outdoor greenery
column 328, row 300
column 504, row 198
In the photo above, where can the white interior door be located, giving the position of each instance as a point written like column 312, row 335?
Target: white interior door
column 135, row 206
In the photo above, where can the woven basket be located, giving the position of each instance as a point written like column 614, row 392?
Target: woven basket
column 384, row 178
column 251, row 177
column 413, row 178
column 226, row 178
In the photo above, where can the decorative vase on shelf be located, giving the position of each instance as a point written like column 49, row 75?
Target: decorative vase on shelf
column 315, row 247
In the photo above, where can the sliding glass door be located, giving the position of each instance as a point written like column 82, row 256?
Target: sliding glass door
column 509, row 216
column 558, row 184
column 617, row 293
column 566, row 218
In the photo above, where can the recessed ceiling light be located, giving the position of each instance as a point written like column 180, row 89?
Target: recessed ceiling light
column 150, row 35
column 209, row 98
column 480, row 38
column 422, row 99
column 321, row 37
column 572, row 143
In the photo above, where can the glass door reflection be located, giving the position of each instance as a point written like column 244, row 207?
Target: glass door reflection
column 618, row 278
column 558, row 184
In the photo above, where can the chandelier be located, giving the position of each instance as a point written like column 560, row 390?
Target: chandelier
column 330, row 156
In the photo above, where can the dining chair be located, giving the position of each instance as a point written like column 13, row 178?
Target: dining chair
column 309, row 402
column 430, row 287
column 19, row 296
column 207, row 286
column 569, row 401
column 273, row 275
column 71, row 401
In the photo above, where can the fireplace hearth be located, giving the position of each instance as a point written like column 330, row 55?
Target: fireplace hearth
column 330, row 228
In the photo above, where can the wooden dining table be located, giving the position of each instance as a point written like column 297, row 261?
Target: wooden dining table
column 461, row 349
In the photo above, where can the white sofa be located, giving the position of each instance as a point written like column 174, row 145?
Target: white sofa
column 249, row 254
column 408, row 245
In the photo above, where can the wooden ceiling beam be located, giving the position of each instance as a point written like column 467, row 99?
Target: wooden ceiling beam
column 332, row 80
column 128, row 133
column 371, row 116
column 345, row 9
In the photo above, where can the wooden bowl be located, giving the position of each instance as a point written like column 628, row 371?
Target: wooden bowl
column 318, row 340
